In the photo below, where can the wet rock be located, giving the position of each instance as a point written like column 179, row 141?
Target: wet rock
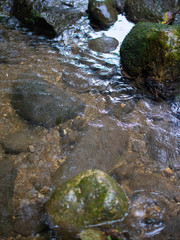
column 171, row 231
column 102, row 13
column 103, row 44
column 138, row 59
column 149, row 11
column 7, row 176
column 78, row 79
column 30, row 217
column 46, row 17
column 119, row 108
column 92, row 197
column 95, row 150
column 34, row 182
column 42, row 103
column 159, row 147
column 19, row 141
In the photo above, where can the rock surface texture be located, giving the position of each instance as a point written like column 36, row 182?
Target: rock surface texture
column 153, row 50
column 90, row 198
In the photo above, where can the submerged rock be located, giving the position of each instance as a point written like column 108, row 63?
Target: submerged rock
column 95, row 150
column 7, row 177
column 19, row 141
column 152, row 50
column 103, row 44
column 42, row 103
column 151, row 10
column 102, row 12
column 90, row 198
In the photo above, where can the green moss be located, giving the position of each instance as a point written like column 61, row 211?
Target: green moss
column 32, row 18
column 90, row 198
column 152, row 49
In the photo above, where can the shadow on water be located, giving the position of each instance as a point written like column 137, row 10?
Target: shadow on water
column 121, row 131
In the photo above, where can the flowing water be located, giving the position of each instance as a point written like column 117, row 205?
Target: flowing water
column 124, row 131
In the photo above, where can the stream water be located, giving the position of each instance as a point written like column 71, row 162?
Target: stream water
column 124, row 131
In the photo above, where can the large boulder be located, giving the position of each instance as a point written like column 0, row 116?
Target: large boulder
column 149, row 10
column 102, row 12
column 152, row 50
column 48, row 17
column 90, row 198
column 42, row 103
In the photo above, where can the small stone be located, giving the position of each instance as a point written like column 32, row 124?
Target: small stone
column 31, row 148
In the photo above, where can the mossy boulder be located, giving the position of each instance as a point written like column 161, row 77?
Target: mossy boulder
column 102, row 13
column 152, row 50
column 42, row 103
column 149, row 10
column 90, row 198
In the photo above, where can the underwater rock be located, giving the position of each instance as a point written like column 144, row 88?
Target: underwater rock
column 19, row 141
column 152, row 50
column 90, row 198
column 7, row 177
column 102, row 13
column 42, row 103
column 103, row 44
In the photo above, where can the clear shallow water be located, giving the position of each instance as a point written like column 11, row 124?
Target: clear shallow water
column 123, row 130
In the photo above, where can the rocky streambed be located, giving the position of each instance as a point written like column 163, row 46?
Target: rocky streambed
column 108, row 124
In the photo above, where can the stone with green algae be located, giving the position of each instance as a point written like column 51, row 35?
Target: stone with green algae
column 152, row 49
column 90, row 198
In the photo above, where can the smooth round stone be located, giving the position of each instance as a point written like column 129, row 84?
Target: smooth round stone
column 103, row 44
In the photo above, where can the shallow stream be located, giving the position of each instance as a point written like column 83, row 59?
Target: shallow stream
column 124, row 131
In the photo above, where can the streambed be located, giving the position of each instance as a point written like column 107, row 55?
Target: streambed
column 123, row 131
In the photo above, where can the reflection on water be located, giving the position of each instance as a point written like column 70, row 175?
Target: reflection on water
column 122, row 131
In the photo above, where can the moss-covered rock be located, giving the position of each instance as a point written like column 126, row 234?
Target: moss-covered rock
column 152, row 50
column 90, row 198
column 102, row 12
column 149, row 10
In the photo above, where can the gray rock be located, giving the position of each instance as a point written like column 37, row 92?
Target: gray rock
column 149, row 10
column 95, row 150
column 19, row 141
column 42, row 103
column 102, row 13
column 103, row 44
column 48, row 17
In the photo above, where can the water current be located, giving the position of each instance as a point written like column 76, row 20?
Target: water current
column 124, row 131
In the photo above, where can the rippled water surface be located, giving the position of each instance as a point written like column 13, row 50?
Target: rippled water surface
column 123, row 131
